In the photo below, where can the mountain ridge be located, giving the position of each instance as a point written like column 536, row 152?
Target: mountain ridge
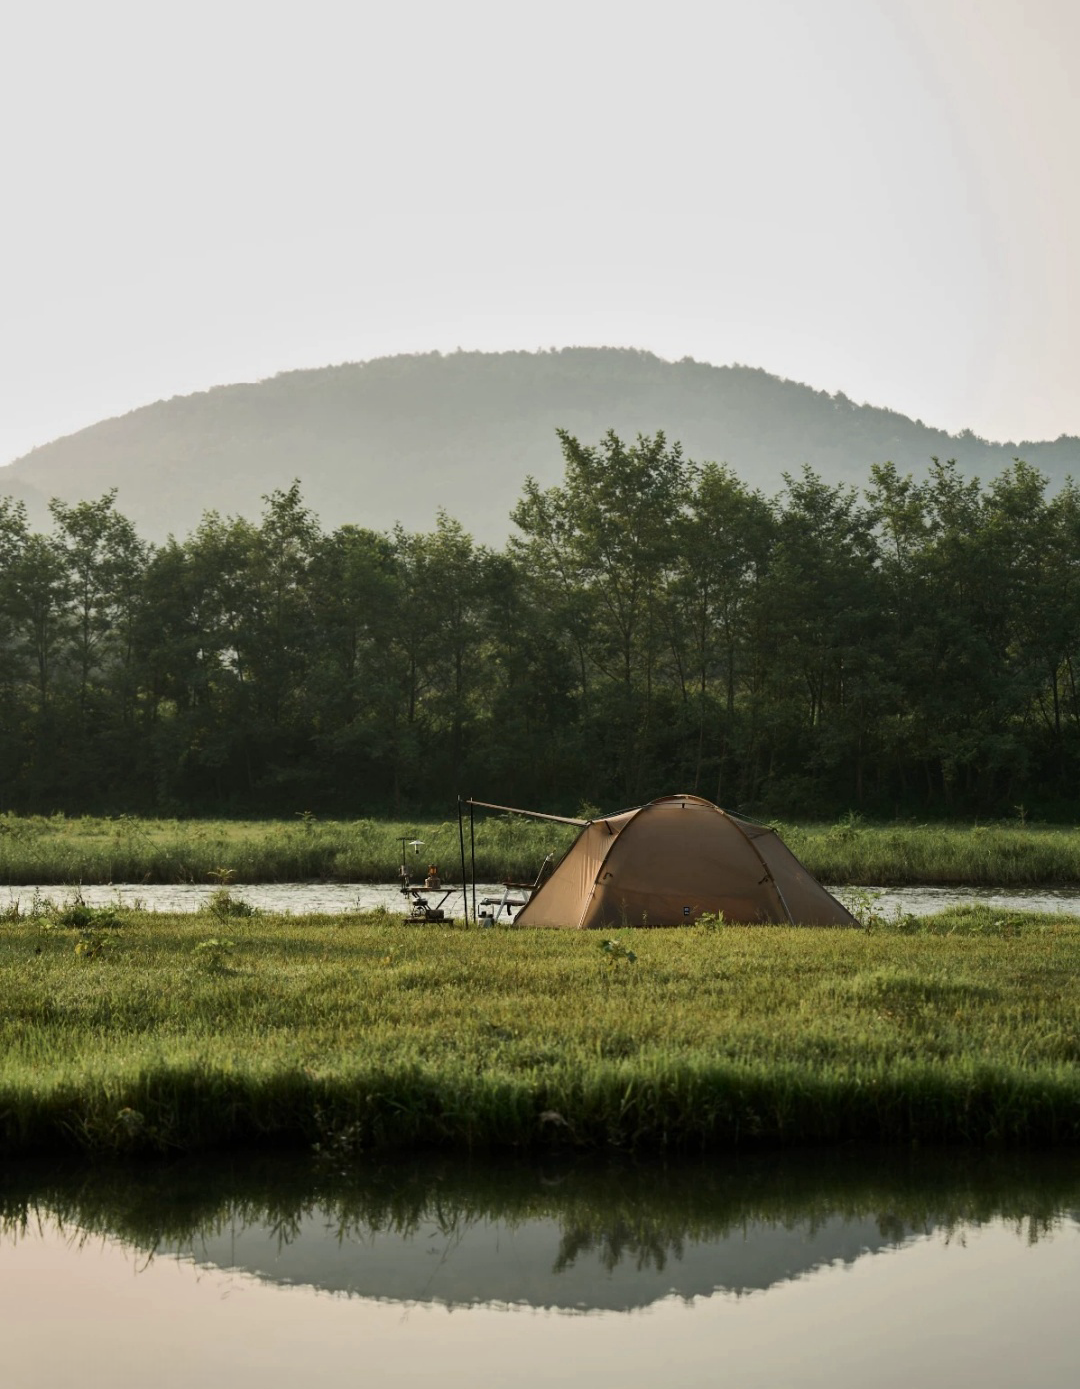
column 394, row 439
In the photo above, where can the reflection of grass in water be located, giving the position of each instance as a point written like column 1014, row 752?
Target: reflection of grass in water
column 638, row 1215
column 362, row 1034
column 644, row 1242
column 56, row 849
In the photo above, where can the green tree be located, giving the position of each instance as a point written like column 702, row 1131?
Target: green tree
column 600, row 545
column 104, row 559
column 827, row 640
column 710, row 608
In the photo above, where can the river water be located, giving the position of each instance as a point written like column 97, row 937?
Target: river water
column 847, row 1271
column 333, row 898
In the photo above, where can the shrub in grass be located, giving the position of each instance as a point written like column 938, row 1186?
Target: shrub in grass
column 226, row 907
column 213, row 954
column 78, row 916
column 92, row 944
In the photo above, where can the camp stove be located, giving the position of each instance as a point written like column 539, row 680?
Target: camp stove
column 419, row 908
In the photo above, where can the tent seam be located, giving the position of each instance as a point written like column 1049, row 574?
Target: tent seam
column 757, row 854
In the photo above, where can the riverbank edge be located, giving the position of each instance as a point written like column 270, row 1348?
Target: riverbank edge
column 677, row 1111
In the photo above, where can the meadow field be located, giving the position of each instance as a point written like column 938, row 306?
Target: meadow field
column 124, row 1032
column 57, row 849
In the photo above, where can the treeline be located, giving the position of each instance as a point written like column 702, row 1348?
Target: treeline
column 657, row 625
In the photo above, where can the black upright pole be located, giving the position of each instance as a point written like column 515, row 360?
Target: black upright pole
column 461, row 841
column 472, row 846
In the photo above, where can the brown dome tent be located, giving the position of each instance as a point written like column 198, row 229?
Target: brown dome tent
column 671, row 861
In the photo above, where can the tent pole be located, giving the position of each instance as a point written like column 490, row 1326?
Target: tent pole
column 768, row 871
column 472, row 845
column 780, row 894
column 533, row 814
column 461, row 841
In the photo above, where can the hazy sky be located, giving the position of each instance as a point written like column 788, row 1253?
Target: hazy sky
column 874, row 196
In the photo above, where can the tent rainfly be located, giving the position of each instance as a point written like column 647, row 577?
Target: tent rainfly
column 673, row 860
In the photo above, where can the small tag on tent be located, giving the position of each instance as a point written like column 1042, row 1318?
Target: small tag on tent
column 686, row 911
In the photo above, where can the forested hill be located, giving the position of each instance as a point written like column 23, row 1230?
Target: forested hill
column 398, row 437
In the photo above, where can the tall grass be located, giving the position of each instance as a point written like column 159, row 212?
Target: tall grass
column 369, row 1033
column 55, row 849
column 997, row 855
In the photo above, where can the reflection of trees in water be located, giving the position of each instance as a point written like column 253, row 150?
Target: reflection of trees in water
column 643, row 1243
column 641, row 1216
column 892, row 1227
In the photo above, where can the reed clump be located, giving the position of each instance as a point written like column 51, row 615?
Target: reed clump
column 365, row 1033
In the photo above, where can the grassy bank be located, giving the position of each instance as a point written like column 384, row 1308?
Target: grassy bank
column 55, row 849
column 177, row 1032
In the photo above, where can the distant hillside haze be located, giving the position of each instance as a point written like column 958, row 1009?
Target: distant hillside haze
column 394, row 439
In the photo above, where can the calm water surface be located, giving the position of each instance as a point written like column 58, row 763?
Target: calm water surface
column 813, row 1271
column 331, row 898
